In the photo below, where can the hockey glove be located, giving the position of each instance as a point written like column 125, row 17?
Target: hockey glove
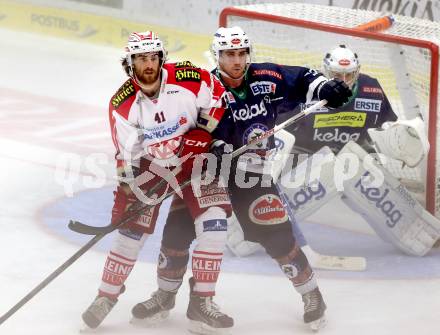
column 335, row 91
column 123, row 199
column 220, row 148
column 222, row 151
column 194, row 142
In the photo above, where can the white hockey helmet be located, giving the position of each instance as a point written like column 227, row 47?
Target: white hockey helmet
column 147, row 41
column 229, row 39
column 342, row 63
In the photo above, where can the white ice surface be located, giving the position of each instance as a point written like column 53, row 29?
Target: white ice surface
column 33, row 66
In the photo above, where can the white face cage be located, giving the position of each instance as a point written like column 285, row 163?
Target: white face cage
column 342, row 63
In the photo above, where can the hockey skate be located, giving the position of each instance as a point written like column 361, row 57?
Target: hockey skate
column 205, row 316
column 314, row 308
column 155, row 309
column 97, row 311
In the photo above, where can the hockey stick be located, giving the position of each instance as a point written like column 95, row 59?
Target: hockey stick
column 100, row 232
column 321, row 261
column 333, row 262
column 82, row 228
column 51, row 277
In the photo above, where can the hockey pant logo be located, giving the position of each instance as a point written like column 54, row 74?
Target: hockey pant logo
column 267, row 210
column 306, row 194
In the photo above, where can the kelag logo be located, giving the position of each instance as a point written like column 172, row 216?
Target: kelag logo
column 379, row 197
column 307, row 194
column 335, row 136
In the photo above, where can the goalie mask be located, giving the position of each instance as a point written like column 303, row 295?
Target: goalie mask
column 230, row 39
column 342, row 63
column 145, row 42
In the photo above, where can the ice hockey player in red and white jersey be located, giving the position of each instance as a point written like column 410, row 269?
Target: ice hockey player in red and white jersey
column 161, row 119
column 251, row 111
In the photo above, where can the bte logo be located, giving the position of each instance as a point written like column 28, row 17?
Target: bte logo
column 263, row 87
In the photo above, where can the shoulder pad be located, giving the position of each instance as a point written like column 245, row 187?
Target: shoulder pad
column 123, row 93
column 182, row 74
column 186, row 64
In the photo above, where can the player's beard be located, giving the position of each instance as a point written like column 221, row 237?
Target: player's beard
column 147, row 77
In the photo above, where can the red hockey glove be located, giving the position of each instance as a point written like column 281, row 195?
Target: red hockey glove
column 194, row 142
column 124, row 198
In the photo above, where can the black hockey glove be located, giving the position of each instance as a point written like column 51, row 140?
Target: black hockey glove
column 335, row 91
column 220, row 148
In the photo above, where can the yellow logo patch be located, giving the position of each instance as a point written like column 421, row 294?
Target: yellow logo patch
column 341, row 119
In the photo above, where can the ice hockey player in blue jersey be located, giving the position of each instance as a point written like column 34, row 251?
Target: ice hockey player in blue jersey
column 254, row 92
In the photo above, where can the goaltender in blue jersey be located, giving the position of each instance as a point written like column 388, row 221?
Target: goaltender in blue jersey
column 367, row 108
column 365, row 124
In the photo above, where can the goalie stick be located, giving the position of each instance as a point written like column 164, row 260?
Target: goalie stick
column 82, row 228
column 102, row 231
column 337, row 263
column 321, row 261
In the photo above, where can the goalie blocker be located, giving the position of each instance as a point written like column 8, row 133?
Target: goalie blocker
column 370, row 190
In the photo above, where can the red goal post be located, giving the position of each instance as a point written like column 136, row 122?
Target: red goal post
column 300, row 34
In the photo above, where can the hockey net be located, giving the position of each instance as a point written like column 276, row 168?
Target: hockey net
column 404, row 58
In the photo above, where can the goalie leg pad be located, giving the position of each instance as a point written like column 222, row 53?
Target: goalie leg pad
column 310, row 185
column 390, row 209
column 236, row 242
